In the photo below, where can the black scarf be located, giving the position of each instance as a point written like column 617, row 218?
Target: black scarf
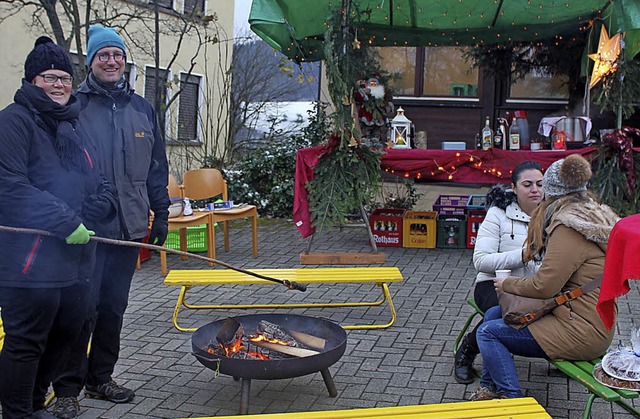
column 60, row 121
column 105, row 89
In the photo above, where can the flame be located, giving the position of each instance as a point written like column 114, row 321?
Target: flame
column 258, row 355
column 260, row 338
column 234, row 348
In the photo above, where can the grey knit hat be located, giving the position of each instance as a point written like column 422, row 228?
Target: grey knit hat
column 565, row 176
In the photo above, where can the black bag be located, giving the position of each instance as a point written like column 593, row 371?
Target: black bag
column 519, row 311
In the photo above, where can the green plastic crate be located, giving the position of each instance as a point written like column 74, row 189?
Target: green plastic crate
column 196, row 239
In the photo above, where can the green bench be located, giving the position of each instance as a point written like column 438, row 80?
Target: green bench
column 579, row 371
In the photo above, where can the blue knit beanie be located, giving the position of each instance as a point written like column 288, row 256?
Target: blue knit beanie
column 100, row 37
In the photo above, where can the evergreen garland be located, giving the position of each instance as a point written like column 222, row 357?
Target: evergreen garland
column 347, row 174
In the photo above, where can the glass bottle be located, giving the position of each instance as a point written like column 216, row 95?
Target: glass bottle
column 514, row 135
column 487, row 135
column 498, row 138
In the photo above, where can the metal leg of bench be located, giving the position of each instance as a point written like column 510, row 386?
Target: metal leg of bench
column 587, row 408
column 387, row 297
column 176, row 311
column 464, row 331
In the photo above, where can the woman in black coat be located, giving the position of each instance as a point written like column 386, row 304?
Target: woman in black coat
column 47, row 182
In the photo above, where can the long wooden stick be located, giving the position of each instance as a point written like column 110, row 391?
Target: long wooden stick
column 289, row 284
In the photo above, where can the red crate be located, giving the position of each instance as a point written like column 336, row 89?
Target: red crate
column 451, row 204
column 474, row 219
column 386, row 226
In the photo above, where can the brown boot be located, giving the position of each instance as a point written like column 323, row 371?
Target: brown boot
column 463, row 368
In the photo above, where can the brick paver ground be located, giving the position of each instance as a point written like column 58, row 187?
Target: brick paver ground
column 408, row 363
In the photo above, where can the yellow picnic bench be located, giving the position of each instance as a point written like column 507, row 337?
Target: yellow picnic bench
column 381, row 276
column 522, row 408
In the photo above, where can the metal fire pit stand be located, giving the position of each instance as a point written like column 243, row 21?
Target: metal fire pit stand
column 245, row 389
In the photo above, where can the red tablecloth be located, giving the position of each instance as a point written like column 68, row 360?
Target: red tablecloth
column 463, row 166
column 622, row 263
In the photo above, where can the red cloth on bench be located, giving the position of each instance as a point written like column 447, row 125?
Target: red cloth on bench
column 622, row 263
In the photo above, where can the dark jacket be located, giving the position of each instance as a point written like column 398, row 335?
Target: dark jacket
column 39, row 193
column 124, row 130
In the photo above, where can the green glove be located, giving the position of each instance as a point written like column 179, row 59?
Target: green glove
column 80, row 235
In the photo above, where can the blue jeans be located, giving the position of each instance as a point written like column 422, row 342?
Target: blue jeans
column 497, row 341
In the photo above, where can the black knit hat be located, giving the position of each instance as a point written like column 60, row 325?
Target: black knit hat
column 46, row 55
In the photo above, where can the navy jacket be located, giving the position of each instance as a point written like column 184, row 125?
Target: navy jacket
column 131, row 155
column 37, row 192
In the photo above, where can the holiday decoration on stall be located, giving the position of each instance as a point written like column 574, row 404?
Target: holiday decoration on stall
column 374, row 106
column 401, row 130
column 606, row 57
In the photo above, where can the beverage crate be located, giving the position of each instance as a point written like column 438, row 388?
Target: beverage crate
column 451, row 204
column 196, row 239
column 452, row 231
column 474, row 219
column 386, row 226
column 476, row 202
column 419, row 229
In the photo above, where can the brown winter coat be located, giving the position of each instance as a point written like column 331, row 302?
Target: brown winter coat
column 575, row 251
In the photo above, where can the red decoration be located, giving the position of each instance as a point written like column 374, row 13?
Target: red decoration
column 621, row 142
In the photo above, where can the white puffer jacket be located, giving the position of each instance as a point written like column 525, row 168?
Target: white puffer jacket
column 499, row 243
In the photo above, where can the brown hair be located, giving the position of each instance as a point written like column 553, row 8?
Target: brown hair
column 542, row 217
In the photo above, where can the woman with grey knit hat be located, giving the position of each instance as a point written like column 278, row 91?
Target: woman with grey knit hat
column 569, row 233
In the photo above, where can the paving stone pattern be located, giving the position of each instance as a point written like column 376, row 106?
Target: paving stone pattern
column 408, row 363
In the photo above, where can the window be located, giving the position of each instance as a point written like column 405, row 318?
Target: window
column 447, row 73
column 401, row 62
column 443, row 71
column 540, row 84
column 166, row 4
column 189, row 107
column 150, row 90
column 195, row 7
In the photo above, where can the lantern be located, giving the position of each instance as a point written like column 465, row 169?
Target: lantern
column 401, row 130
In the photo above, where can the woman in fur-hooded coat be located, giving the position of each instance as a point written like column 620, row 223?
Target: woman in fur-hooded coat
column 569, row 231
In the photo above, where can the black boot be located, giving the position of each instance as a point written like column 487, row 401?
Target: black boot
column 463, row 369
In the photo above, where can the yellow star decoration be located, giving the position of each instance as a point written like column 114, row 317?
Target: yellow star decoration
column 605, row 58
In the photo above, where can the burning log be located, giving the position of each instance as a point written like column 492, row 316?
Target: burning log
column 290, row 337
column 284, row 349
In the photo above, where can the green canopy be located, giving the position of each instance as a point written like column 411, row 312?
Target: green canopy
column 297, row 27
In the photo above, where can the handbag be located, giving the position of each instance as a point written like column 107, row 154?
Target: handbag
column 519, row 311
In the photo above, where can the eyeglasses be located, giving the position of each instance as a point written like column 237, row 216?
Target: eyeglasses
column 117, row 57
column 52, row 79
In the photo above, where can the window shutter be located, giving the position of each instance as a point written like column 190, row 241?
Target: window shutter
column 188, row 108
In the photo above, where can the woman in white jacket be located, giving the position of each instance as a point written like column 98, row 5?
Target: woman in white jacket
column 499, row 246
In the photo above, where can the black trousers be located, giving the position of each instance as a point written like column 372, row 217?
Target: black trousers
column 485, row 295
column 115, row 266
column 39, row 324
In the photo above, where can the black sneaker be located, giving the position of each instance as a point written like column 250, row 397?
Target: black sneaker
column 111, row 391
column 66, row 408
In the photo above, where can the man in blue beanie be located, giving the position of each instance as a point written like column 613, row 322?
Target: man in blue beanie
column 124, row 129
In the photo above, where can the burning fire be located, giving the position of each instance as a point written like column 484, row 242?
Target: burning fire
column 263, row 338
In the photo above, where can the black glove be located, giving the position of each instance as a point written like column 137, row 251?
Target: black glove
column 101, row 205
column 159, row 231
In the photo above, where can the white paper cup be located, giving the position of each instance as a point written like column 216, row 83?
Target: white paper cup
column 503, row 273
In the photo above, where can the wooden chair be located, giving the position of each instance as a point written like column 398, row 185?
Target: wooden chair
column 208, row 183
column 181, row 223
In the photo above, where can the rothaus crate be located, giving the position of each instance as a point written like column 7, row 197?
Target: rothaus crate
column 452, row 231
column 386, row 226
column 419, row 229
column 474, row 219
column 451, row 204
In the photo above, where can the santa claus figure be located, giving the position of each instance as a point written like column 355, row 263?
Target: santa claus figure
column 375, row 108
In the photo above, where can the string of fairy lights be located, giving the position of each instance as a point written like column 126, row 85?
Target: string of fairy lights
column 434, row 168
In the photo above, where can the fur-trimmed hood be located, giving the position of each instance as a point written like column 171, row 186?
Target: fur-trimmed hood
column 594, row 221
